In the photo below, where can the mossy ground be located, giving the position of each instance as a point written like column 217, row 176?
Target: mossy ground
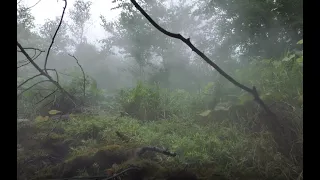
column 218, row 150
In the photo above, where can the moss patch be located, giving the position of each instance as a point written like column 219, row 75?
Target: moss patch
column 216, row 151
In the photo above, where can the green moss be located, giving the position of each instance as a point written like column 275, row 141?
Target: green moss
column 91, row 151
column 114, row 147
column 56, row 136
column 222, row 148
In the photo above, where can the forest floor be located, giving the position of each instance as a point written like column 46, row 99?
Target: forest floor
column 107, row 146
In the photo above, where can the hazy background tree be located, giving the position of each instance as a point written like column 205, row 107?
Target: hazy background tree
column 79, row 15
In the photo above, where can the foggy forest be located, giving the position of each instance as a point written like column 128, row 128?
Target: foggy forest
column 171, row 90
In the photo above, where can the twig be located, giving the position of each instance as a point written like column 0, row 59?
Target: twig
column 84, row 76
column 39, row 89
column 28, row 80
column 252, row 91
column 47, row 96
column 48, row 103
column 34, row 5
column 54, row 36
column 25, row 60
column 32, row 87
column 36, row 49
column 45, row 74
column 35, row 56
column 57, row 76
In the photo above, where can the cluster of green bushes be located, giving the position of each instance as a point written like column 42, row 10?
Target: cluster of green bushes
column 215, row 125
column 276, row 81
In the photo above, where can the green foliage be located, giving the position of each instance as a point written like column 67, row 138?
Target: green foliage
column 147, row 102
column 226, row 146
column 142, row 102
column 93, row 94
column 212, row 140
column 259, row 28
column 142, row 42
column 208, row 122
column 62, row 40
column 25, row 23
column 276, row 80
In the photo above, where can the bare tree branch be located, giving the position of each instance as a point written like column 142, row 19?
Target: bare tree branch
column 25, row 60
column 32, row 87
column 57, row 75
column 33, row 57
column 48, row 103
column 275, row 125
column 28, row 48
column 38, row 89
column 47, row 96
column 252, row 91
column 45, row 74
column 28, row 80
column 54, row 36
column 34, row 5
column 84, row 76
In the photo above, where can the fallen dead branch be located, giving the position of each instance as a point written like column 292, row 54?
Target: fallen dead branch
column 44, row 71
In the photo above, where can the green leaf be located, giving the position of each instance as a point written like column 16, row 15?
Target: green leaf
column 300, row 42
column 300, row 60
column 205, row 113
column 38, row 118
column 41, row 118
column 53, row 112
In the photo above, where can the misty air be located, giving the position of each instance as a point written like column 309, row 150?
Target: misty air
column 160, row 89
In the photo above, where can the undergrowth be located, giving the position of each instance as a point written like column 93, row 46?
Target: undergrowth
column 226, row 146
column 217, row 130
